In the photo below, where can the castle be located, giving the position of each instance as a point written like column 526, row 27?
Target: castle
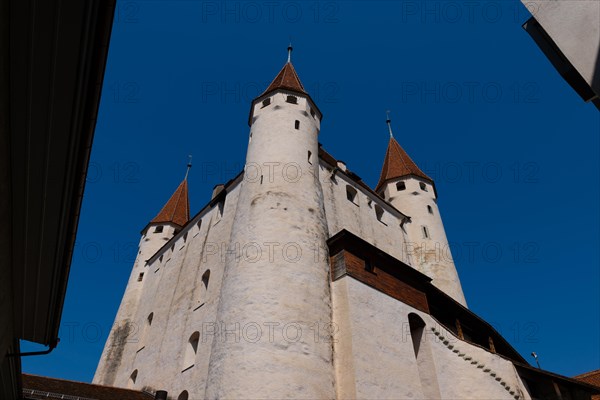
column 297, row 280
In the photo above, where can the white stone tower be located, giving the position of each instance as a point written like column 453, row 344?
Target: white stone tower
column 409, row 189
column 126, row 332
column 280, row 292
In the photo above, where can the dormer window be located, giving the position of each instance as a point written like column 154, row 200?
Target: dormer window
column 158, row 229
column 266, row 102
column 292, row 99
column 400, row 186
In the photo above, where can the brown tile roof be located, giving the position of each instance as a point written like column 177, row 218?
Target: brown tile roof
column 42, row 387
column 397, row 163
column 177, row 209
column 592, row 377
column 288, row 79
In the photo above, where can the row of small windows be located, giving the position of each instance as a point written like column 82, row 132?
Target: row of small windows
column 352, row 195
column 289, row 99
column 401, row 185
column 133, row 378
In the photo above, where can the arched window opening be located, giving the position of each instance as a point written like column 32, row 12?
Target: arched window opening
column 190, row 351
column 183, row 395
column 351, row 194
column 400, row 186
column 202, row 290
column 132, row 379
column 423, row 357
column 423, row 186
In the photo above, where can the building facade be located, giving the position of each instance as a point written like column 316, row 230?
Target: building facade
column 297, row 280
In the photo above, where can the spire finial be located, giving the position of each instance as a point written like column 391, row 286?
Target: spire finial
column 388, row 121
column 189, row 166
column 290, row 48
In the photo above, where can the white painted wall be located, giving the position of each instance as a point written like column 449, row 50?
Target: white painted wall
column 374, row 355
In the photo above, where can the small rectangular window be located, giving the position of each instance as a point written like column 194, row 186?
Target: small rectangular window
column 425, row 232
column 292, row 99
column 368, row 266
column 430, row 210
column 140, row 276
column 158, row 229
column 423, row 186
column 297, row 124
column 351, row 194
column 400, row 186
column 266, row 102
column 310, row 157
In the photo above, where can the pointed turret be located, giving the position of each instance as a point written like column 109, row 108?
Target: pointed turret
column 177, row 209
column 397, row 164
column 413, row 192
column 286, row 83
column 286, row 79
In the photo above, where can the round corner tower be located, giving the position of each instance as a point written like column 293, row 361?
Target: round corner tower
column 409, row 189
column 155, row 234
column 275, row 290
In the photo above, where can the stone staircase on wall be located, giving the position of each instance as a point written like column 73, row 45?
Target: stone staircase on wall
column 515, row 392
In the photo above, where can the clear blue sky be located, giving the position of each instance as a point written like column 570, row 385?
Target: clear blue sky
column 514, row 151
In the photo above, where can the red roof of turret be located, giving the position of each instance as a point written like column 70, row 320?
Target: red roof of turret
column 397, row 164
column 177, row 209
column 288, row 79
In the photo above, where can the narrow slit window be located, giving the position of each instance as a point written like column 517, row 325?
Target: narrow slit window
column 310, row 157
column 430, row 210
column 400, row 186
column 297, row 124
column 425, row 232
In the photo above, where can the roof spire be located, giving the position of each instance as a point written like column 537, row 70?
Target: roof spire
column 389, row 123
column 189, row 166
column 290, row 48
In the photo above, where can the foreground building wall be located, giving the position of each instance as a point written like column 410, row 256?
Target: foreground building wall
column 568, row 33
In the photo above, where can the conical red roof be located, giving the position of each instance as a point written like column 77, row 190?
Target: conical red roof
column 288, row 79
column 397, row 163
column 177, row 209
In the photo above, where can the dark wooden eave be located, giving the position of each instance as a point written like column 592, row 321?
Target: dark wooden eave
column 57, row 56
